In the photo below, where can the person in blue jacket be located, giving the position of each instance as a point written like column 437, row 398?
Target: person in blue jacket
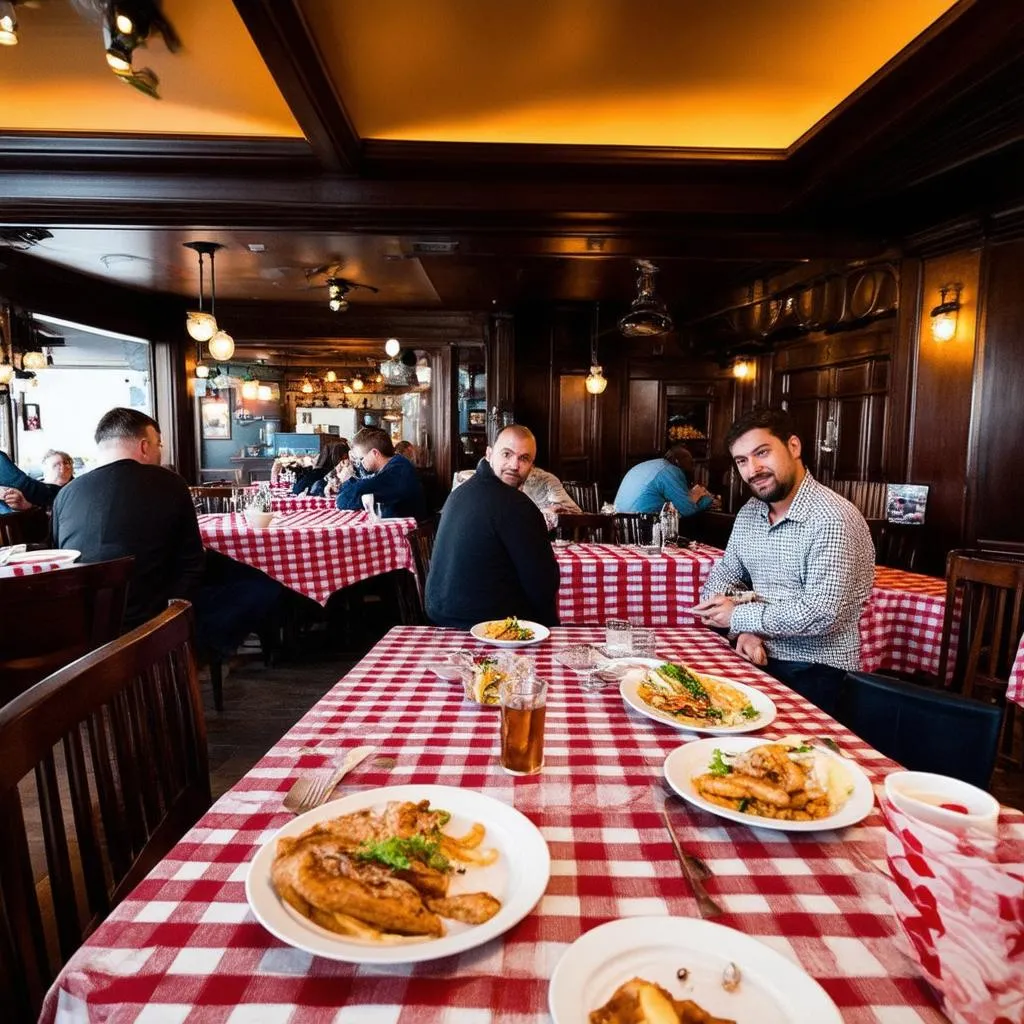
column 28, row 490
column 647, row 486
column 390, row 478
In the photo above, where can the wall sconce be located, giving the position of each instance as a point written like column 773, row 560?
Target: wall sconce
column 743, row 369
column 596, row 381
column 946, row 313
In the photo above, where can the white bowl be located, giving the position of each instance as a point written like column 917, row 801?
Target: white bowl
column 921, row 795
column 259, row 520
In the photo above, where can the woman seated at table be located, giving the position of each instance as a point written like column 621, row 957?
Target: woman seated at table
column 331, row 462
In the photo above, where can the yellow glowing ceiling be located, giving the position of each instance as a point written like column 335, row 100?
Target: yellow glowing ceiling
column 56, row 78
column 680, row 73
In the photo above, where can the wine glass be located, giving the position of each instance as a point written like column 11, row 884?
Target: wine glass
column 584, row 660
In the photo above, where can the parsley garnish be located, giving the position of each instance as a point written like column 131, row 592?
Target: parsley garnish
column 398, row 854
column 685, row 678
column 801, row 750
column 715, row 714
column 718, row 765
column 744, row 802
column 750, row 711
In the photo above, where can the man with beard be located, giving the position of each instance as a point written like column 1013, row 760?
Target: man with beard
column 804, row 555
column 492, row 557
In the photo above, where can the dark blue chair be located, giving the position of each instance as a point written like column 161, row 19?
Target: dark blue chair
column 925, row 730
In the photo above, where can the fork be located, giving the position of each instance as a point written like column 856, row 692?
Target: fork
column 301, row 798
column 696, row 871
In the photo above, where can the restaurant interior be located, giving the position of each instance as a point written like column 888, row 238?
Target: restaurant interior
column 271, row 223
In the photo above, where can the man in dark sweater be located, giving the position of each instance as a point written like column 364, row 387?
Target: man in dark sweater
column 130, row 505
column 390, row 478
column 492, row 556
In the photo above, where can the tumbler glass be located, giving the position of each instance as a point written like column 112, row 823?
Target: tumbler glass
column 523, row 700
column 618, row 640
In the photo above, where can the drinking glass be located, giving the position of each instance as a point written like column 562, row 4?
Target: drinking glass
column 618, row 640
column 644, row 643
column 523, row 705
column 378, row 510
column 368, row 503
column 583, row 660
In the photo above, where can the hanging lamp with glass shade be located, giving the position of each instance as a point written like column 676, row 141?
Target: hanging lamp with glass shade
column 647, row 316
column 331, row 377
column 596, row 381
column 392, row 347
column 222, row 345
column 201, row 324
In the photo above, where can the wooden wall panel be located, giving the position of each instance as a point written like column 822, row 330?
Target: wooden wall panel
column 996, row 482
column 572, row 449
column 645, row 427
column 941, row 417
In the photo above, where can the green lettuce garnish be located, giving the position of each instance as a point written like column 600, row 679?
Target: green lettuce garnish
column 685, row 678
column 398, row 853
column 718, row 765
column 750, row 711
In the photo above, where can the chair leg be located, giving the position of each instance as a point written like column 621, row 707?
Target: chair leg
column 217, row 681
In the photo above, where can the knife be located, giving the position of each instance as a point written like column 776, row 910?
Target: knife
column 695, row 871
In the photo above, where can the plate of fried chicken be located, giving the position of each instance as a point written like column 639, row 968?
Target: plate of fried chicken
column 400, row 874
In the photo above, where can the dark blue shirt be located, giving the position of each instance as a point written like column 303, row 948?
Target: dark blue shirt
column 35, row 491
column 396, row 488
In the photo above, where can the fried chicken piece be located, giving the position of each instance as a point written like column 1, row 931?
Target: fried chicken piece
column 739, row 787
column 469, row 908
column 428, row 881
column 771, row 761
column 407, row 819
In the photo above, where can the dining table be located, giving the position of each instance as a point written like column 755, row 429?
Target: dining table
column 314, row 551
column 1015, row 691
column 185, row 945
column 900, row 625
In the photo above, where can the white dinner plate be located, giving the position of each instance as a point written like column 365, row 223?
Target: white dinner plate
column 686, row 762
column 629, row 688
column 518, row 878
column 54, row 555
column 772, row 989
column 539, row 633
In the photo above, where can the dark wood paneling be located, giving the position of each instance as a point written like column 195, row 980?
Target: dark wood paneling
column 571, row 454
column 644, row 419
column 997, row 483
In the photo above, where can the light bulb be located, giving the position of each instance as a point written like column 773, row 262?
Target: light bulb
column 202, row 371
column 338, row 305
column 118, row 64
column 357, row 384
column 307, row 387
column 596, row 382
column 347, row 389
column 8, row 28
column 33, row 361
column 944, row 326
column 200, row 326
column 222, row 346
column 392, row 347
column 742, row 370
column 264, row 393
column 124, row 24
column 331, row 377
column 250, row 389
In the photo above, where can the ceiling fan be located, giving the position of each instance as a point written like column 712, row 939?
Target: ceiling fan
column 337, row 287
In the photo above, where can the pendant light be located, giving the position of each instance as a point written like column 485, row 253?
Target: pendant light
column 222, row 345
column 392, row 347
column 331, row 377
column 596, row 381
column 201, row 325
column 647, row 316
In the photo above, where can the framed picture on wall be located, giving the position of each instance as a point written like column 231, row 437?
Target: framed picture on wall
column 215, row 417
column 30, row 416
column 477, row 418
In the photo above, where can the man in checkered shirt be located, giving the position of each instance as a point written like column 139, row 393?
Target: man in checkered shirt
column 803, row 553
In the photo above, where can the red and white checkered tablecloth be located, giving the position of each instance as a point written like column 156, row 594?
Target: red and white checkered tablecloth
column 185, row 947
column 1015, row 691
column 609, row 581
column 314, row 552
column 900, row 627
column 300, row 502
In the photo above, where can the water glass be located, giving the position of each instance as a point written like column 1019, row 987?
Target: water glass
column 368, row 503
column 378, row 510
column 523, row 706
column 618, row 639
column 644, row 643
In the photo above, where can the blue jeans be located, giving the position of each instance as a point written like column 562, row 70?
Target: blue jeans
column 818, row 683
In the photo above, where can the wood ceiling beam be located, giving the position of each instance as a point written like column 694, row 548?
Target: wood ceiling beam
column 279, row 30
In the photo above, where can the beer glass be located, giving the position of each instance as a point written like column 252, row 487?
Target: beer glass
column 523, row 699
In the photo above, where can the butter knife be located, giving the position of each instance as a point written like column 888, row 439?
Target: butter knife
column 695, row 871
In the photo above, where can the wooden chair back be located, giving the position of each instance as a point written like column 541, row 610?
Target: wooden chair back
column 213, row 499
column 60, row 616
column 591, row 527
column 635, row 527
column 31, row 527
column 709, row 527
column 116, row 743
column 897, row 545
column 983, row 622
column 586, row 495
column 412, row 599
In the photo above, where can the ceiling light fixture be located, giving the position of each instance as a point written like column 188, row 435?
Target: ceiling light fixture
column 392, row 347
column 357, row 383
column 331, row 377
column 7, row 373
column 647, row 317
column 34, row 360
column 201, row 326
column 336, row 292
column 8, row 26
column 596, row 381
column 127, row 25
column 202, row 370
column 265, row 393
column 743, row 369
column 946, row 313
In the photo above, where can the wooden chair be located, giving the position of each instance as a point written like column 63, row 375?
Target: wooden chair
column 984, row 621
column 586, row 495
column 635, row 527
column 589, row 528
column 31, row 527
column 209, row 499
column 709, row 527
column 412, row 594
column 55, row 617
column 897, row 545
column 117, row 745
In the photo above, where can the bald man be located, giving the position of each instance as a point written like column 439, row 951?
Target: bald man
column 492, row 557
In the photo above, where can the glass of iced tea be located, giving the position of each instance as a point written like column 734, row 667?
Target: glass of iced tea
column 523, row 700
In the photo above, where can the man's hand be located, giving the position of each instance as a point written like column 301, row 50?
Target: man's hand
column 347, row 472
column 716, row 611
column 331, row 489
column 697, row 491
column 14, row 499
column 751, row 646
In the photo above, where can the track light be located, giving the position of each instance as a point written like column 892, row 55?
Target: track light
column 8, row 24
column 392, row 347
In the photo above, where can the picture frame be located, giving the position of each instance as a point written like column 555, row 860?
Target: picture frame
column 906, row 503
column 215, row 417
column 477, row 418
column 30, row 416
